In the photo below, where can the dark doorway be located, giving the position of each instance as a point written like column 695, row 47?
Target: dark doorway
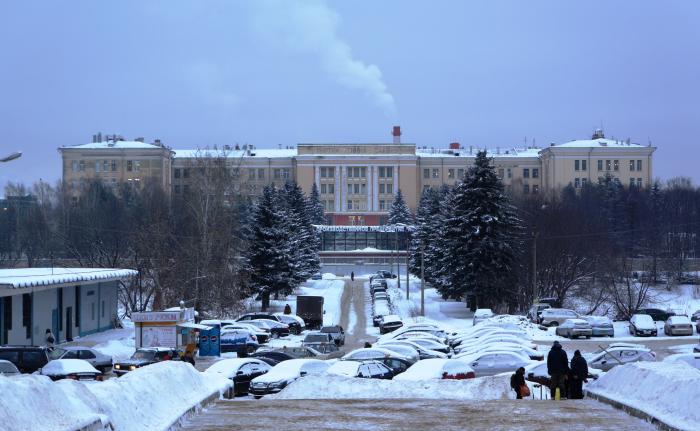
column 69, row 324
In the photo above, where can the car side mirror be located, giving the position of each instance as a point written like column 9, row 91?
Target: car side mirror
column 302, row 373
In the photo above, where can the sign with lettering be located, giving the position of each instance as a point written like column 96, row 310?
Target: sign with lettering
column 158, row 336
column 156, row 316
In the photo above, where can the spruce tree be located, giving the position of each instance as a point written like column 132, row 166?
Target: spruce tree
column 304, row 237
column 315, row 207
column 399, row 212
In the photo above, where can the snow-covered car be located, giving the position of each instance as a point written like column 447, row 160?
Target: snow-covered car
column 611, row 357
column 398, row 363
column 296, row 324
column 277, row 329
column 692, row 359
column 433, row 330
column 601, row 326
column 385, row 274
column 535, row 312
column 490, row 332
column 642, row 325
column 465, row 346
column 423, row 353
column 482, row 314
column 336, row 332
column 390, row 323
column 74, row 369
column 410, row 335
column 379, row 310
column 573, row 328
column 406, row 350
column 262, row 335
column 317, row 276
column 436, row 369
column 429, row 343
column 98, row 360
column 695, row 316
column 143, row 357
column 378, row 295
column 491, row 363
column 240, row 371
column 364, row 369
column 556, row 316
column 316, row 338
column 7, row 368
column 283, row 374
column 533, row 354
column 241, row 341
column 678, row 325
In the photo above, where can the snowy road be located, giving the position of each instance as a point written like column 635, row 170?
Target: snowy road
column 353, row 317
column 444, row 415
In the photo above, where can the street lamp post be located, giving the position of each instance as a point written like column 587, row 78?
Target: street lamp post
column 405, row 237
column 10, row 157
column 534, row 265
column 422, row 281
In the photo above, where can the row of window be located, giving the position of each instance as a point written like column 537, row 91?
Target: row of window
column 357, row 188
column 535, row 173
column 357, row 204
column 581, row 182
column 357, row 172
column 614, row 165
column 105, row 165
column 535, row 189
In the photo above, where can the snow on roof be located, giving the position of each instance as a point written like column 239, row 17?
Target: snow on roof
column 234, row 154
column 679, row 320
column 229, row 367
column 597, row 143
column 490, row 152
column 115, row 144
column 61, row 367
column 344, row 368
column 31, row 277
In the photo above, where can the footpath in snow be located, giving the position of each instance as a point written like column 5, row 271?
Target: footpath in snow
column 149, row 398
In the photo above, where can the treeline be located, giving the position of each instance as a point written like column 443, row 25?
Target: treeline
column 202, row 247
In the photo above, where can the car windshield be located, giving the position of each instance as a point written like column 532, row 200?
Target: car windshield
column 330, row 329
column 7, row 368
column 56, row 353
column 316, row 338
column 144, row 355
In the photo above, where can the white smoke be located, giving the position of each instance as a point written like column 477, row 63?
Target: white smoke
column 310, row 26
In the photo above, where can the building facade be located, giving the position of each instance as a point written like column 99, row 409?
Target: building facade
column 357, row 182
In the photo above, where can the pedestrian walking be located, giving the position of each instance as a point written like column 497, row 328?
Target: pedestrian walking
column 367, row 345
column 517, row 383
column 579, row 375
column 352, row 276
column 287, row 309
column 49, row 338
column 558, row 368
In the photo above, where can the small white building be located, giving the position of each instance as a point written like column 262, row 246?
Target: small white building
column 72, row 302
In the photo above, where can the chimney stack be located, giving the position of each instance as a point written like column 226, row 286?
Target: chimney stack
column 454, row 145
column 397, row 134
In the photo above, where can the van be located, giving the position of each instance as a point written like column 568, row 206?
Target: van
column 27, row 359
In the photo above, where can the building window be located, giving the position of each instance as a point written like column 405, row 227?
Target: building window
column 436, row 173
column 81, row 166
column 349, row 204
column 323, row 172
column 285, row 173
column 356, row 188
column 526, row 189
column 235, row 173
column 535, row 173
column 526, row 173
column 535, row 189
column 186, row 173
column 261, row 173
column 27, row 314
column 616, row 165
column 382, row 205
column 331, row 189
column 74, row 166
column 381, row 172
column 97, row 166
column 389, row 172
column 349, row 189
column 277, row 174
column 510, row 173
column 600, row 165
column 389, row 189
column 426, row 173
column 577, row 166
column 584, row 164
column 177, row 189
column 381, row 188
column 583, row 182
column 631, row 182
column 323, row 189
column 251, row 174
column 185, row 189
column 639, row 182
column 176, row 173
column 501, row 171
column 639, row 165
column 129, row 165
column 607, row 165
column 631, row 165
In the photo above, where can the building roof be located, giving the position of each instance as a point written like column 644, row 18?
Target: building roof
column 234, row 154
column 598, row 143
column 490, row 152
column 113, row 145
column 16, row 278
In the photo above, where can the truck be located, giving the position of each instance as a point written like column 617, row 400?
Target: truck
column 310, row 308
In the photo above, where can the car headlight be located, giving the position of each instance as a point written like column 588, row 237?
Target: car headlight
column 118, row 367
column 132, row 367
column 278, row 385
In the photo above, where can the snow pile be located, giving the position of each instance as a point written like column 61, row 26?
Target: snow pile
column 338, row 387
column 152, row 397
column 667, row 391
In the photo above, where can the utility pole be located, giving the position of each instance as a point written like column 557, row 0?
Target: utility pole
column 398, row 260
column 422, row 281
column 405, row 236
column 534, row 265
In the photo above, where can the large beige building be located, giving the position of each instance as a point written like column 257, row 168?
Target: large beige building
column 357, row 182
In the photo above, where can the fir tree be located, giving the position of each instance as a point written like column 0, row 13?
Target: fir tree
column 304, row 238
column 399, row 212
column 315, row 207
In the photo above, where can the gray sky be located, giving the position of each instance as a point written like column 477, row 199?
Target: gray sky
column 487, row 73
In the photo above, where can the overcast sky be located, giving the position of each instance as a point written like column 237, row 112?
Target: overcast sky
column 270, row 73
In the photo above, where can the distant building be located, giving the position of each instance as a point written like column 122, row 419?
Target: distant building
column 71, row 302
column 357, row 181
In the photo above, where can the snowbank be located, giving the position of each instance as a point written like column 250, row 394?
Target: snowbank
column 152, row 398
column 667, row 391
column 339, row 387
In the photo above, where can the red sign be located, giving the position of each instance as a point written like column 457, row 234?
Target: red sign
column 213, row 338
column 203, row 339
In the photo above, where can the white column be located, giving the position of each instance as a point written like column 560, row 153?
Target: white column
column 375, row 189
column 395, row 179
column 317, row 177
column 338, row 189
column 370, row 186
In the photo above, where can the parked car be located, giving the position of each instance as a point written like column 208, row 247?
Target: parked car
column 692, row 359
column 8, row 369
column 73, row 369
column 695, row 316
column 379, row 310
column 316, row 338
column 241, row 341
column 430, row 344
column 533, row 354
column 378, row 295
column 423, row 353
column 491, row 363
column 336, row 332
column 482, row 314
column 611, row 357
column 496, row 338
column 437, row 369
column 296, row 324
column 364, row 369
column 277, row 329
column 573, row 328
column 556, row 316
column 551, row 301
column 657, row 314
column 601, row 326
column 98, row 360
column 391, row 359
column 272, row 357
column 678, row 325
column 386, row 274
column 27, row 359
column 317, row 276
column 240, row 371
column 143, row 357
column 487, row 332
column 377, row 286
column 257, row 316
column 642, row 325
column 535, row 312
column 283, row 374
column 262, row 334
column 389, row 323
column 419, row 328
column 405, row 350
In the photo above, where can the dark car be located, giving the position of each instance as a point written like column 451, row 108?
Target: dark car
column 240, row 371
column 143, row 357
column 336, row 332
column 272, row 357
column 241, row 341
column 657, row 314
column 386, row 274
column 276, row 328
column 27, row 359
column 256, row 316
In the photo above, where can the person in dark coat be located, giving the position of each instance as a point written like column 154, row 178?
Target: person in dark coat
column 579, row 374
column 517, row 381
column 49, row 338
column 352, row 276
column 287, row 309
column 558, row 368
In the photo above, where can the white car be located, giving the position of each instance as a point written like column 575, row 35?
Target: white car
column 611, row 357
column 285, row 373
column 417, row 334
column 491, row 363
column 493, row 339
column 7, row 368
column 74, row 369
column 364, row 369
column 423, row 353
column 482, row 314
column 421, row 328
column 429, row 344
column 557, row 316
column 98, row 360
column 642, row 325
column 240, row 371
column 692, row 359
column 407, row 350
column 487, row 333
column 436, row 369
column 533, row 354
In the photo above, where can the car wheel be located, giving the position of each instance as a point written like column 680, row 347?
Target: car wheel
column 554, row 324
column 257, row 397
column 588, row 337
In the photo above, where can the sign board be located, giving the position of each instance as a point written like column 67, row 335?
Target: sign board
column 159, row 336
column 156, row 316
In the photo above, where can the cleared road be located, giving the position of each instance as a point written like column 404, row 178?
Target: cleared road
column 290, row 415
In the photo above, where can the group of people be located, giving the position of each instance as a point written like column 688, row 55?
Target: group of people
column 566, row 381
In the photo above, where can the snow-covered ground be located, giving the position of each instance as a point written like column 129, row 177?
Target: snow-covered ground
column 152, row 397
column 668, row 391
